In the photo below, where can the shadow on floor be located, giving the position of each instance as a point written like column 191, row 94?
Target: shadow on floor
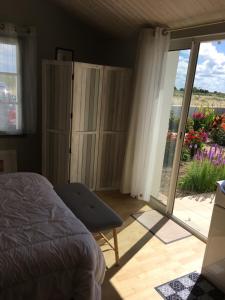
column 109, row 291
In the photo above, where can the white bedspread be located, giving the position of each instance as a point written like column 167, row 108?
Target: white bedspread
column 45, row 251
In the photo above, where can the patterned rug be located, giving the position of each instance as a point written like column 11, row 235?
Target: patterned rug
column 190, row 287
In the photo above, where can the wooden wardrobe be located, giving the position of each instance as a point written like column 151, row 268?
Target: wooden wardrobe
column 85, row 122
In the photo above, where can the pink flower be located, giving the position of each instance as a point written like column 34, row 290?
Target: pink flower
column 198, row 115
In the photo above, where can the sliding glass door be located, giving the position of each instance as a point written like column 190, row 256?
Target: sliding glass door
column 194, row 157
column 202, row 159
column 177, row 67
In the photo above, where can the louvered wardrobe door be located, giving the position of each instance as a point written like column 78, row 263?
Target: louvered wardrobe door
column 85, row 123
column 115, row 114
column 57, row 100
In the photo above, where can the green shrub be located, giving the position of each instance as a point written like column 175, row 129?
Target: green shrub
column 185, row 154
column 218, row 136
column 201, row 176
column 209, row 118
column 173, row 122
column 189, row 124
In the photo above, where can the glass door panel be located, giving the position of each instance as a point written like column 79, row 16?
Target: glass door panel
column 177, row 67
column 202, row 160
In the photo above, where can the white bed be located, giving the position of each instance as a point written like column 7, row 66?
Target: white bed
column 45, row 251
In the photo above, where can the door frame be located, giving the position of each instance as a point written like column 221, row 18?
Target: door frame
column 194, row 46
column 181, row 130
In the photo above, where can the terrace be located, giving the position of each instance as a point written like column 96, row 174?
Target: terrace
column 202, row 161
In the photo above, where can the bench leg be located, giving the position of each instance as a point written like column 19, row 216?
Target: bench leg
column 116, row 249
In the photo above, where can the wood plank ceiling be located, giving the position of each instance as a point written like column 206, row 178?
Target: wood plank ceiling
column 124, row 17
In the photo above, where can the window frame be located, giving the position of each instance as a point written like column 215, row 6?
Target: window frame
column 14, row 41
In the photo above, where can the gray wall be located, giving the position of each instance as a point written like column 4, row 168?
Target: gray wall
column 122, row 52
column 118, row 52
column 199, row 31
column 54, row 28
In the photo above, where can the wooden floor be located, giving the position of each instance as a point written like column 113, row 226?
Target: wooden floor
column 145, row 261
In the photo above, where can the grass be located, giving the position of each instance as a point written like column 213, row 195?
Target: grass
column 200, row 100
column 201, row 177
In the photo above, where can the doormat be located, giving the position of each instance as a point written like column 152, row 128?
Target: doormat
column 193, row 286
column 162, row 227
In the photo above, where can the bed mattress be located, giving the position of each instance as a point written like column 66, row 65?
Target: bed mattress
column 45, row 251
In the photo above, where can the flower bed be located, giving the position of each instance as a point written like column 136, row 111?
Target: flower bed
column 204, row 127
column 205, row 164
column 207, row 167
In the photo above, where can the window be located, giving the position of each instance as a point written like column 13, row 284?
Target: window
column 10, row 87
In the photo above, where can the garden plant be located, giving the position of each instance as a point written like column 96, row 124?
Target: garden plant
column 207, row 167
column 203, row 150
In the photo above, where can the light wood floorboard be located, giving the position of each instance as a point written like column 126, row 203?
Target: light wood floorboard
column 145, row 262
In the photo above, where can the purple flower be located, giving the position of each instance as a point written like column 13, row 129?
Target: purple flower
column 198, row 155
column 214, row 154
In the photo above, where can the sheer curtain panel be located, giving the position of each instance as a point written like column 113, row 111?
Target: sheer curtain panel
column 142, row 159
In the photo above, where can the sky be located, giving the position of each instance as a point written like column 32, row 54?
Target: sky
column 210, row 71
column 7, row 58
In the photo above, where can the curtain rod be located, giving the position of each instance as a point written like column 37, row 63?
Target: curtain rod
column 193, row 27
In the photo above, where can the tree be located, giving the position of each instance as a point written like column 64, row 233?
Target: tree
column 201, row 91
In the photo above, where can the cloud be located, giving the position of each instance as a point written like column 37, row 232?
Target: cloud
column 210, row 71
column 209, row 51
column 182, row 68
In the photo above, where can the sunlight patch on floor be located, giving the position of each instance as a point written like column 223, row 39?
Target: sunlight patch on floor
column 195, row 211
column 145, row 262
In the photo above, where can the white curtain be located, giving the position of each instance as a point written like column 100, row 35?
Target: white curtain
column 24, row 38
column 141, row 168
column 29, row 81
